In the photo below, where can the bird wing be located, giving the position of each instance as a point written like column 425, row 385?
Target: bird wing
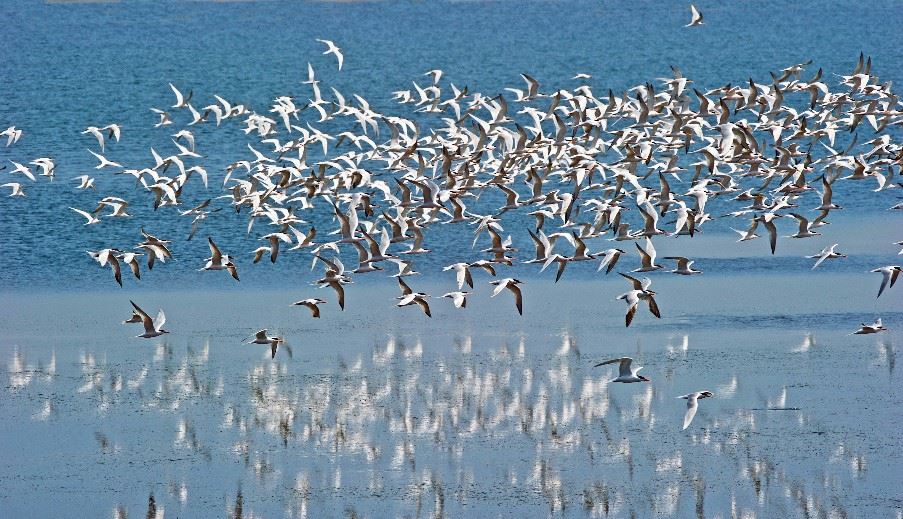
column 145, row 319
column 645, row 260
column 653, row 307
column 405, row 289
column 421, row 302
column 340, row 293
column 89, row 216
column 623, row 367
column 232, row 270
column 637, row 284
column 160, row 320
column 692, row 406
column 216, row 255
column 827, row 251
column 518, row 297
column 886, row 277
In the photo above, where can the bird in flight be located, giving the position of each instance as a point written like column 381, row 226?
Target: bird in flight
column 696, row 17
column 333, row 49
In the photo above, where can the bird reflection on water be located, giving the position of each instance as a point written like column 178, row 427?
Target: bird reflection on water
column 406, row 429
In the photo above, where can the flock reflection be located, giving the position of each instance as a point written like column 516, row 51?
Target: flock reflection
column 410, row 431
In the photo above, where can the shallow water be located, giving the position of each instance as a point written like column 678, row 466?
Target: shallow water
column 381, row 412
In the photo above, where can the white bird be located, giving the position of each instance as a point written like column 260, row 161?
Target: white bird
column 333, row 49
column 458, row 298
column 12, row 134
column 261, row 338
column 219, row 261
column 696, row 18
column 311, row 304
column 647, row 257
column 181, row 100
column 826, row 253
column 890, row 274
column 108, row 256
column 684, row 266
column 512, row 285
column 692, row 405
column 639, row 293
column 610, row 259
column 152, row 328
column 23, row 169
column 91, row 218
column 104, row 161
column 417, row 298
column 85, row 182
column 875, row 327
column 626, row 373
column 16, row 188
column 462, row 274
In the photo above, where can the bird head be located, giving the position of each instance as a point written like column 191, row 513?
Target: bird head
column 644, row 379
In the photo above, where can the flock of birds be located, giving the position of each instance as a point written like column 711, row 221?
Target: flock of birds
column 579, row 163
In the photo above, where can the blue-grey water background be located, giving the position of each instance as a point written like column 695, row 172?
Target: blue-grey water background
column 381, row 412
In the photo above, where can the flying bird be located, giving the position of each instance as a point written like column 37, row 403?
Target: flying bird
column 312, row 304
column 889, row 275
column 696, row 17
column 152, row 327
column 331, row 48
column 512, row 285
column 626, row 373
column 692, row 405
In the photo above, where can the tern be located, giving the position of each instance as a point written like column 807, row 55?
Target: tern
column 875, row 327
column 684, row 266
column 639, row 293
column 696, row 17
column 16, row 188
column 312, row 304
column 108, row 256
column 610, row 259
column 152, row 328
column 92, row 220
column 462, row 274
column 692, row 405
column 626, row 373
column 889, row 274
column 219, row 261
column 458, row 298
column 104, row 162
column 512, row 285
column 12, row 135
column 333, row 49
column 261, row 338
column 826, row 253
column 647, row 257
column 416, row 298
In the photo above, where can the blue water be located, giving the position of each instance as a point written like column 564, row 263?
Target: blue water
column 381, row 412
column 71, row 65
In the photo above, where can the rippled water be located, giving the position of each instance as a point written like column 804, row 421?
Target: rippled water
column 380, row 412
